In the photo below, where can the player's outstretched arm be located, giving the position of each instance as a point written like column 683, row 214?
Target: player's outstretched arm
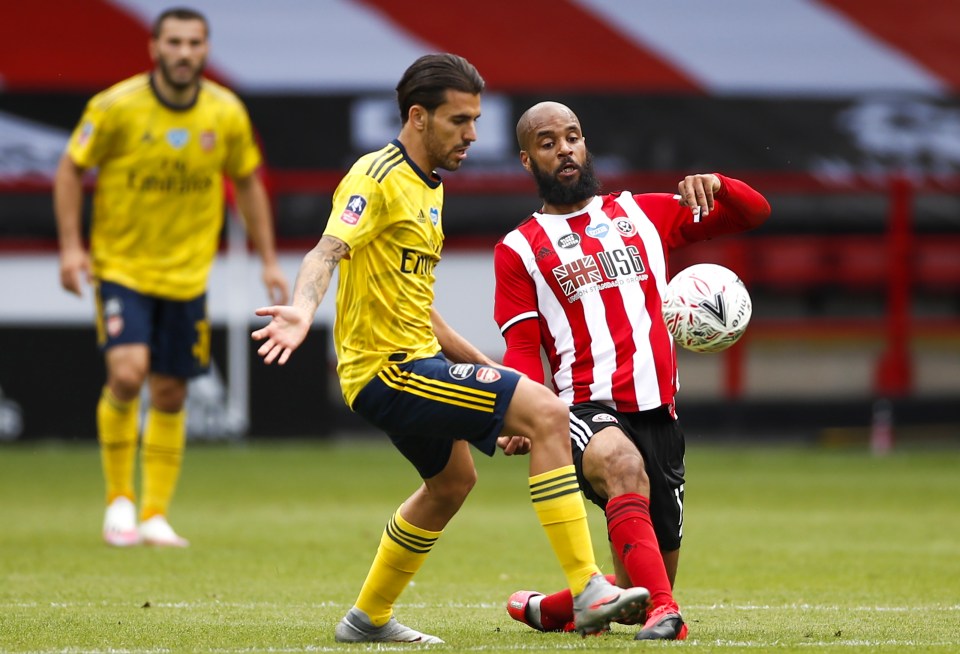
column 289, row 325
column 732, row 205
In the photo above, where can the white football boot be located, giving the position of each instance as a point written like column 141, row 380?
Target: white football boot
column 120, row 523
column 157, row 531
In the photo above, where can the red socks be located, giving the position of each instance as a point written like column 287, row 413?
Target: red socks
column 631, row 533
column 632, row 536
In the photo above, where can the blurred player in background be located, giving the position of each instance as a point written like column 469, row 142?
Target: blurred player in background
column 162, row 142
column 582, row 278
column 408, row 373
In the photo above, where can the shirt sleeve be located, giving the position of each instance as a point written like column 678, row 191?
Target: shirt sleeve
column 737, row 208
column 91, row 138
column 357, row 204
column 243, row 155
column 515, row 311
column 523, row 350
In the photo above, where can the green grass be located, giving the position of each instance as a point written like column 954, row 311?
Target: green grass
column 786, row 549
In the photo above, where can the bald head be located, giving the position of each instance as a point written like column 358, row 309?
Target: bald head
column 541, row 117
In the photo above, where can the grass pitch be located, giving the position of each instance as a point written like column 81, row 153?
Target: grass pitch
column 786, row 549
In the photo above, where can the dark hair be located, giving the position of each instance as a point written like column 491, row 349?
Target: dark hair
column 180, row 13
column 428, row 79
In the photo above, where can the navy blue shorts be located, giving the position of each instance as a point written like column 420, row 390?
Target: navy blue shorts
column 658, row 436
column 426, row 404
column 177, row 333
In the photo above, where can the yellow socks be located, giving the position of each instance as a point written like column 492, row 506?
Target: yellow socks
column 403, row 549
column 118, row 430
column 556, row 498
column 164, row 437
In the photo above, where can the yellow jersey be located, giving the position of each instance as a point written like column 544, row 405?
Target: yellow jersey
column 158, row 206
column 389, row 212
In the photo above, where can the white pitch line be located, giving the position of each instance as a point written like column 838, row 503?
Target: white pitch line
column 481, row 606
column 575, row 644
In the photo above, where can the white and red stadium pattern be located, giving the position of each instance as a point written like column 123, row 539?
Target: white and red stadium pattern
column 734, row 47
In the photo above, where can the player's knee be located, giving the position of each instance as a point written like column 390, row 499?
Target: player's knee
column 617, row 468
column 627, row 473
column 632, row 467
column 465, row 482
column 538, row 414
column 452, row 490
column 551, row 417
column 125, row 381
column 168, row 397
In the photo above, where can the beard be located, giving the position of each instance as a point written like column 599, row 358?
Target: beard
column 439, row 152
column 180, row 84
column 552, row 191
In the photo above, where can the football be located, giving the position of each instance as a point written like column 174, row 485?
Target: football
column 706, row 308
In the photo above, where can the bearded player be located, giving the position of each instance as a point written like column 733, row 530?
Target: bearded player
column 582, row 278
column 162, row 142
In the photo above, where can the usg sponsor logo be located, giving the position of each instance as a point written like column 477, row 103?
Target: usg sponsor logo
column 488, row 375
column 462, row 370
column 577, row 274
column 568, row 241
column 603, row 417
column 597, row 231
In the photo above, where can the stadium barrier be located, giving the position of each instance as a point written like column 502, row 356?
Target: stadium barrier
column 896, row 259
column 808, row 283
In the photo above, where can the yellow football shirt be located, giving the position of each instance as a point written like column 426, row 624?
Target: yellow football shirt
column 158, row 206
column 389, row 212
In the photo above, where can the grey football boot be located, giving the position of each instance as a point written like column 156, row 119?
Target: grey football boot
column 601, row 603
column 355, row 627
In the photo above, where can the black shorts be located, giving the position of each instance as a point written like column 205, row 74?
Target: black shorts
column 177, row 332
column 658, row 436
column 426, row 404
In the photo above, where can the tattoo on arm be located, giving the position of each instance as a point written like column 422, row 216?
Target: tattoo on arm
column 332, row 249
column 317, row 270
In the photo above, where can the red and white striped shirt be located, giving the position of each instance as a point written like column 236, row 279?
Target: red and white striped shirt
column 593, row 280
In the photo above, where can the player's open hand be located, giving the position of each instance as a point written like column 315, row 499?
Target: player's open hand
column 697, row 191
column 514, row 444
column 283, row 334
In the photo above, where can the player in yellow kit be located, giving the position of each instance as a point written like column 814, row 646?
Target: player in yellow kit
column 408, row 373
column 161, row 142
